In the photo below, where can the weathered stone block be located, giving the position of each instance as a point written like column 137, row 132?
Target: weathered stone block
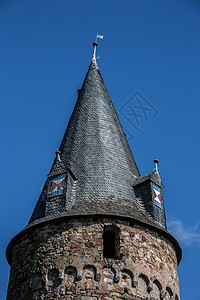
column 59, row 266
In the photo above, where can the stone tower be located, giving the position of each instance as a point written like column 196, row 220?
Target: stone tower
column 98, row 230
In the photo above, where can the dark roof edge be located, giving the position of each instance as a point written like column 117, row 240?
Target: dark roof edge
column 163, row 232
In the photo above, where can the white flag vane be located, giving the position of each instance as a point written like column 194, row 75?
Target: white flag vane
column 99, row 37
column 95, row 44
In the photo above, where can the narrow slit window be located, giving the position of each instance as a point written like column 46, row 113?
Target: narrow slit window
column 111, row 242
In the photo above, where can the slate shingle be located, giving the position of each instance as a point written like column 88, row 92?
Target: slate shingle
column 95, row 151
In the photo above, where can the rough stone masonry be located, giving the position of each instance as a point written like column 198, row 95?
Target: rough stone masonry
column 64, row 260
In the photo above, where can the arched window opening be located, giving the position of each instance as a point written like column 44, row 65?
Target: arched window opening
column 111, row 242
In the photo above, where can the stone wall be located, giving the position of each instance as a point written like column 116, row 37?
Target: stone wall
column 64, row 260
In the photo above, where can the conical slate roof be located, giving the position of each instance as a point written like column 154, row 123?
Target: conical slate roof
column 96, row 153
column 98, row 172
column 95, row 173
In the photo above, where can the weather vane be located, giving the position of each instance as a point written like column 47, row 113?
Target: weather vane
column 95, row 44
column 99, row 37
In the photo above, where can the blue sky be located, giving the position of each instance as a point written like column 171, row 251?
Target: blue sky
column 150, row 48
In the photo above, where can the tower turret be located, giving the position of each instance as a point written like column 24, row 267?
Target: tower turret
column 148, row 191
column 98, row 230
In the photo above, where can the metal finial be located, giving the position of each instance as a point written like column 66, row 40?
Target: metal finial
column 156, row 161
column 95, row 44
column 58, row 152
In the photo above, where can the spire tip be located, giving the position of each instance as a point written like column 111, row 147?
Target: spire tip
column 95, row 44
column 156, row 161
column 58, row 152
